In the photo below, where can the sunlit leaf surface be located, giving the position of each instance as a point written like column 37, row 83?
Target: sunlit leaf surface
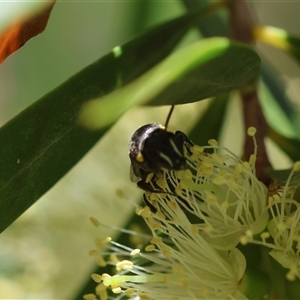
column 201, row 70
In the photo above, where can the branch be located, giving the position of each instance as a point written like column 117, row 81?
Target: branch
column 241, row 24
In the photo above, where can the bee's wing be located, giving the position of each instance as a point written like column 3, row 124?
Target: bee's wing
column 132, row 175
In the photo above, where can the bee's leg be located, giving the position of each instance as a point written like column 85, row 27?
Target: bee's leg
column 148, row 188
column 142, row 184
column 185, row 139
column 150, row 205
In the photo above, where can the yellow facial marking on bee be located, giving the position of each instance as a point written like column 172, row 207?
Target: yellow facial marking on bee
column 139, row 157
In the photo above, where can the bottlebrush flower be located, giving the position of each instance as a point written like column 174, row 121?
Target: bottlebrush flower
column 196, row 220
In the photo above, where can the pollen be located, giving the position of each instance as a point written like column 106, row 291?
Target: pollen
column 124, row 265
column 238, row 169
column 225, row 205
column 135, row 252
column 246, row 237
column 150, row 248
column 205, row 168
column 101, row 291
column 183, row 282
column 119, row 193
column 177, row 269
column 113, row 258
column 208, row 229
column 89, row 297
column 281, row 226
column 160, row 215
column 156, row 240
column 117, row 290
column 155, row 225
column 106, row 279
column 101, row 261
column 99, row 244
column 246, row 165
column 96, row 277
column 218, row 180
column 251, row 131
column 144, row 297
column 94, row 221
column 213, row 142
column 129, row 292
column 166, row 251
column 173, row 205
column 145, row 212
column 217, row 159
column 194, row 229
column 93, row 252
column 161, row 182
column 106, row 240
column 296, row 166
column 210, row 198
column 197, row 149
column 265, row 235
column 139, row 210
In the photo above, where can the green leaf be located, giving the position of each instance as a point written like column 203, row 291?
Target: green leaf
column 293, row 289
column 279, row 38
column 291, row 148
column 274, row 114
column 211, row 123
column 255, row 284
column 44, row 141
column 198, row 71
column 287, row 145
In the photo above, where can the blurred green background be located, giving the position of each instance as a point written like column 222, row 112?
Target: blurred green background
column 44, row 254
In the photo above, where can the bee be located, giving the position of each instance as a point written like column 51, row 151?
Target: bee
column 153, row 148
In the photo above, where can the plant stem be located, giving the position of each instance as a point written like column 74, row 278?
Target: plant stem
column 242, row 23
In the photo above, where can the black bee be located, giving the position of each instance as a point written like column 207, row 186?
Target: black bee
column 151, row 148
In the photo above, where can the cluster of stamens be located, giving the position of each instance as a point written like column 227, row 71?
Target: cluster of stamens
column 196, row 222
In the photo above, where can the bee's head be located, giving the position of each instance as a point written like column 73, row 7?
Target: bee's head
column 164, row 149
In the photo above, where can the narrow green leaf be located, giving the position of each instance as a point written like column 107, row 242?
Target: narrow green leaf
column 275, row 115
column 198, row 71
column 44, row 141
column 280, row 38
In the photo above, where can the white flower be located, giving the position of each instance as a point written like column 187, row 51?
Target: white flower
column 284, row 227
column 184, row 266
column 197, row 217
column 220, row 194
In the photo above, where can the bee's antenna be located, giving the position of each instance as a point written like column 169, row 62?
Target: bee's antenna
column 169, row 116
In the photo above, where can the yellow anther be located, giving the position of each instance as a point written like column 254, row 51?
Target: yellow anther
column 94, row 221
column 251, row 131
